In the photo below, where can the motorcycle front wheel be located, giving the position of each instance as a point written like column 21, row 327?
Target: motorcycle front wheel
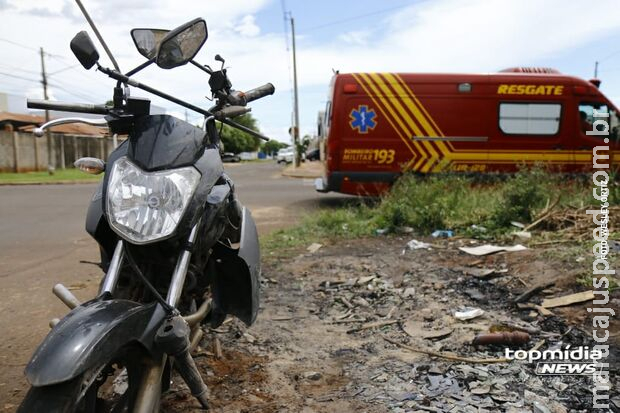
column 109, row 388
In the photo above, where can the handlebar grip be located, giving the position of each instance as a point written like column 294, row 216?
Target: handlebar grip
column 259, row 92
column 67, row 107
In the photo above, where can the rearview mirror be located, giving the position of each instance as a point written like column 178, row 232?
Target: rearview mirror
column 147, row 41
column 182, row 44
column 84, row 49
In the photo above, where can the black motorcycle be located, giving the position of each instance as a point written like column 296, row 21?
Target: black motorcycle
column 177, row 248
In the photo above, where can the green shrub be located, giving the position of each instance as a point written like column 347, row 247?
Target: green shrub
column 521, row 195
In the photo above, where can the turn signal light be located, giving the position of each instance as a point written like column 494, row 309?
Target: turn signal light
column 93, row 166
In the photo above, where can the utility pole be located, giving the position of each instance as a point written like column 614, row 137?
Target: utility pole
column 50, row 158
column 596, row 70
column 296, row 100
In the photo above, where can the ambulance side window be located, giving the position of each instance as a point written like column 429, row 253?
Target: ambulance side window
column 530, row 118
column 587, row 118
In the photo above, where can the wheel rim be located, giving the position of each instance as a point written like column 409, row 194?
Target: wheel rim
column 110, row 388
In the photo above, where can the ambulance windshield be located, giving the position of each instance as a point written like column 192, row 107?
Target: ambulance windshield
column 590, row 112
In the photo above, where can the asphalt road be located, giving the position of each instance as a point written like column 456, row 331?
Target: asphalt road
column 43, row 241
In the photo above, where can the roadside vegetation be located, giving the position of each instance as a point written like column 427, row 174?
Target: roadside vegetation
column 474, row 207
column 59, row 175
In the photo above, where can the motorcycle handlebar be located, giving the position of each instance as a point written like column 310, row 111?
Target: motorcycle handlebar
column 260, row 92
column 231, row 112
column 67, row 107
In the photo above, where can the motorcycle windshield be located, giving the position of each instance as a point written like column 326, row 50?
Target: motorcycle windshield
column 164, row 142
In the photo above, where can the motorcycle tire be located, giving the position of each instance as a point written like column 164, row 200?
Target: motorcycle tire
column 81, row 395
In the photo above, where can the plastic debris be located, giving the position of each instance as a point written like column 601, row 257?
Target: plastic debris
column 414, row 244
column 491, row 249
column 442, row 233
column 468, row 313
column 382, row 231
column 517, row 224
column 522, row 234
column 479, row 228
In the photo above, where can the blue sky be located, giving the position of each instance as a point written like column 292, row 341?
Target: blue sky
column 403, row 36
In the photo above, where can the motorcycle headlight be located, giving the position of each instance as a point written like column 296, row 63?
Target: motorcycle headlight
column 147, row 206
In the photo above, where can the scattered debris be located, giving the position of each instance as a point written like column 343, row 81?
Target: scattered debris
column 434, row 334
column 314, row 247
column 491, row 249
column 568, row 299
column 312, row 375
column 382, row 231
column 468, row 313
column 478, row 228
column 442, row 233
column 541, row 310
column 517, row 224
column 409, row 292
column 510, row 338
column 414, row 244
column 446, row 355
column 524, row 235
column 482, row 273
column 529, row 293
column 217, row 347
column 374, row 324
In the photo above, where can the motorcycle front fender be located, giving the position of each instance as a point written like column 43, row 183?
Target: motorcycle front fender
column 89, row 336
column 236, row 281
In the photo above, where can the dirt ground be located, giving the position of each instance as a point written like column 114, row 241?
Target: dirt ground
column 308, row 351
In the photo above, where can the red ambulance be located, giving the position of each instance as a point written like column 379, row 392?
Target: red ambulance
column 378, row 125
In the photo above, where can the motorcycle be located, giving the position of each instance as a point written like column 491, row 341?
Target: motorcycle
column 177, row 248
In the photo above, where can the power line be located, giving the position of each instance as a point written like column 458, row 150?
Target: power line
column 19, row 45
column 89, row 99
column 20, row 77
column 63, row 69
column 611, row 55
column 349, row 19
column 34, row 49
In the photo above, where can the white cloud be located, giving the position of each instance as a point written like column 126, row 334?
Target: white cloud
column 247, row 26
column 358, row 37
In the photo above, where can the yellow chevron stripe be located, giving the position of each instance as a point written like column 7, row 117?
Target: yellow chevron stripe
column 379, row 104
column 397, row 104
column 421, row 115
column 392, row 106
column 413, row 96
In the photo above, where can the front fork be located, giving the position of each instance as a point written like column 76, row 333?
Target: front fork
column 176, row 336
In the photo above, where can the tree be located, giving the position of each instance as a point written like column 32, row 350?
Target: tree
column 235, row 140
column 272, row 147
column 303, row 144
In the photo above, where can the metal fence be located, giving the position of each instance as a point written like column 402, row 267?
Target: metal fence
column 23, row 152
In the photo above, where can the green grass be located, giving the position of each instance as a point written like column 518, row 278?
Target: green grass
column 444, row 202
column 44, row 176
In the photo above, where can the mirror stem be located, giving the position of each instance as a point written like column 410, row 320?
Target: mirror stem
column 142, row 66
column 103, row 43
column 201, row 67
